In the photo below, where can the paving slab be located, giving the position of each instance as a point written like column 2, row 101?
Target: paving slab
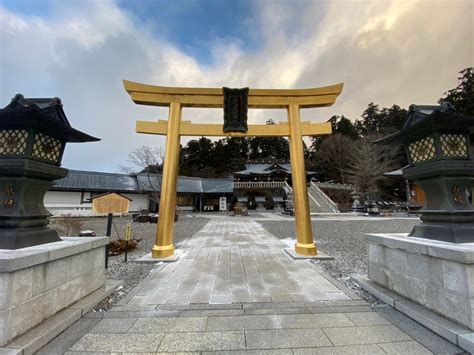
column 142, row 314
column 365, row 335
column 261, row 311
column 315, row 320
column 341, row 309
column 405, row 347
column 165, row 325
column 367, row 318
column 11, row 351
column 119, row 342
column 211, row 312
column 424, row 336
column 234, row 291
column 286, row 338
column 201, row 341
column 109, row 325
column 243, row 322
column 250, row 352
column 342, row 350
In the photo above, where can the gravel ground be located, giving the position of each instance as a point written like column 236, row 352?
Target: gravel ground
column 343, row 239
column 132, row 273
column 346, row 241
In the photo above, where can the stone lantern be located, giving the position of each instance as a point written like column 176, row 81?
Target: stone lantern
column 33, row 135
column 437, row 144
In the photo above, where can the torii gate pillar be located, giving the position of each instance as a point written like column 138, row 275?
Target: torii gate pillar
column 304, row 231
column 164, row 246
column 174, row 128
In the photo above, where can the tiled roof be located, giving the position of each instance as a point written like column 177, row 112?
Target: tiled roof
column 264, row 169
column 99, row 181
column 267, row 169
column 217, row 185
column 96, row 181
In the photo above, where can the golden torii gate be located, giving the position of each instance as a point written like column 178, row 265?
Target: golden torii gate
column 178, row 97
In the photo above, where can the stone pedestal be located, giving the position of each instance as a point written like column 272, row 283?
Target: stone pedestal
column 39, row 281
column 438, row 275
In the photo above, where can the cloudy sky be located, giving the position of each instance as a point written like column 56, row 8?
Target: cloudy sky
column 387, row 52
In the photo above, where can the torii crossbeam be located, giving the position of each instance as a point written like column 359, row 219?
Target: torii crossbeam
column 178, row 97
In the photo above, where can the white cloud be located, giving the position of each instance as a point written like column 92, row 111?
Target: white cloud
column 385, row 51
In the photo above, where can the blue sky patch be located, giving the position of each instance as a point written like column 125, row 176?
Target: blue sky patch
column 192, row 25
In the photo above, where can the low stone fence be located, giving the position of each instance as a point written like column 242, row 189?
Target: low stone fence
column 37, row 282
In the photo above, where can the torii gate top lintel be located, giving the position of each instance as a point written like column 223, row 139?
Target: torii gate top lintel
column 178, row 97
column 145, row 94
column 151, row 95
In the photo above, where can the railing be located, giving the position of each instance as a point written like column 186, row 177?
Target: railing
column 259, row 184
column 290, row 204
column 335, row 186
column 330, row 203
column 313, row 199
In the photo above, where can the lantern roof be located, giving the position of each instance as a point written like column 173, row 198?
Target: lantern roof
column 423, row 119
column 45, row 114
column 419, row 113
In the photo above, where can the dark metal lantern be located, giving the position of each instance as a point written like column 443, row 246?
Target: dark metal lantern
column 33, row 135
column 437, row 143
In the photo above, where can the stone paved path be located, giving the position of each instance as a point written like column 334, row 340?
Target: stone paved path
column 234, row 291
column 232, row 261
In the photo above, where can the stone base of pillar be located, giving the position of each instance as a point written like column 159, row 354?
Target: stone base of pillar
column 38, row 282
column 437, row 275
column 319, row 256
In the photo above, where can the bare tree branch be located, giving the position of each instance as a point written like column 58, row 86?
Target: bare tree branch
column 146, row 161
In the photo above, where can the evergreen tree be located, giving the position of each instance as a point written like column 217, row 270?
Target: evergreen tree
column 339, row 124
column 462, row 96
column 380, row 121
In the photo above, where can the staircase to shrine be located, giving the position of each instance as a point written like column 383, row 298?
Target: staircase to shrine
column 319, row 202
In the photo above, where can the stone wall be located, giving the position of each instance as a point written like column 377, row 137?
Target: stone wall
column 437, row 275
column 37, row 282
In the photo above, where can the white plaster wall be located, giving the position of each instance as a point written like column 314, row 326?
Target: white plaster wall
column 69, row 202
column 139, row 202
column 64, row 197
column 61, row 203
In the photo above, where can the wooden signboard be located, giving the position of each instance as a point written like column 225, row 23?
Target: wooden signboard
column 110, row 203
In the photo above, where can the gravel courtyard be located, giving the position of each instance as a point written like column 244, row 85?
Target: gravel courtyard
column 343, row 237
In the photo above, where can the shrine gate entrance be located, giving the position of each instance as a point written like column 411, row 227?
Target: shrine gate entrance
column 178, row 97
